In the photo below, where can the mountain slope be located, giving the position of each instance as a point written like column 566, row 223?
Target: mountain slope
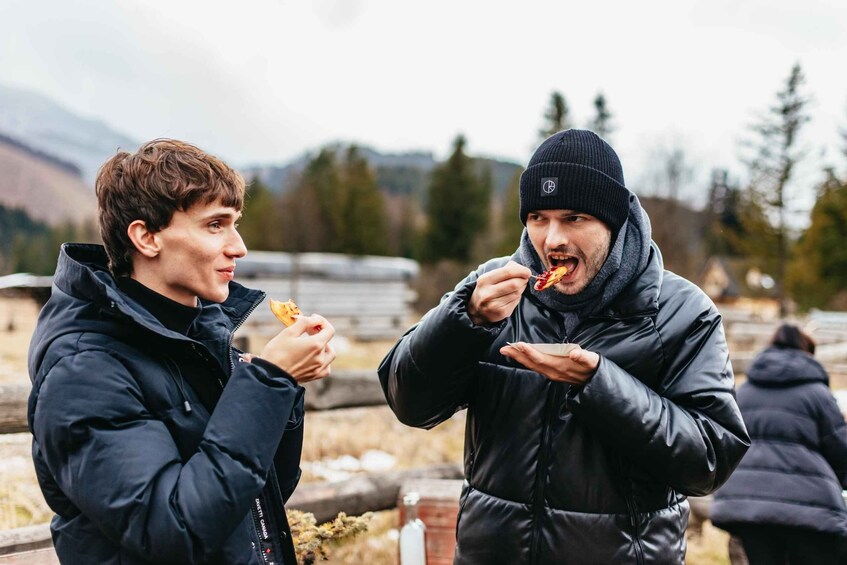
column 45, row 189
column 44, row 125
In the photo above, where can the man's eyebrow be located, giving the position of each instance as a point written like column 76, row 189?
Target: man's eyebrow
column 222, row 213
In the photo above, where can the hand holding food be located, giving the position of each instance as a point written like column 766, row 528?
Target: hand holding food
column 497, row 293
column 302, row 349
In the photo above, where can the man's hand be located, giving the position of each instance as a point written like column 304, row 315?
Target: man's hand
column 576, row 368
column 302, row 350
column 497, row 293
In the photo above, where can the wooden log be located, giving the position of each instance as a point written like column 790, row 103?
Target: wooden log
column 366, row 493
column 25, row 539
column 348, row 389
column 13, row 400
column 45, row 556
column 344, row 389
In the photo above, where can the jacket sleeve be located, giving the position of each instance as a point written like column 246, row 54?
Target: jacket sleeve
column 430, row 373
column 833, row 435
column 688, row 433
column 116, row 460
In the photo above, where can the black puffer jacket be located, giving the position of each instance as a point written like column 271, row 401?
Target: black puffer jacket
column 559, row 474
column 797, row 466
column 134, row 476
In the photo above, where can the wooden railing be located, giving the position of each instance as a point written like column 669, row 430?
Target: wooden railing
column 346, row 389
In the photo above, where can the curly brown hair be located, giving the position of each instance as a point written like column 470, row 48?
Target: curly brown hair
column 162, row 177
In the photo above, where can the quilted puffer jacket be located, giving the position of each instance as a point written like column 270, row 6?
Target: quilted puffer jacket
column 155, row 447
column 591, row 474
column 797, row 466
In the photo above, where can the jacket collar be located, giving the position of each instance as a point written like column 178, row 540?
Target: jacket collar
column 641, row 297
column 82, row 273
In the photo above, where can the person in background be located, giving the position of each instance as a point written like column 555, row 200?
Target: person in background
column 154, row 440
column 785, row 499
column 588, row 457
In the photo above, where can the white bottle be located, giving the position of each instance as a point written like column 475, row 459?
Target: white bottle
column 412, row 534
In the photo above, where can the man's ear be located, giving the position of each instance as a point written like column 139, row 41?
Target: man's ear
column 143, row 239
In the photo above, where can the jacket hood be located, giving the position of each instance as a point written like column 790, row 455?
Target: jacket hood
column 779, row 367
column 85, row 298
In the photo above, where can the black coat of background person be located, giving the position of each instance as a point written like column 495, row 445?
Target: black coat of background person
column 796, row 468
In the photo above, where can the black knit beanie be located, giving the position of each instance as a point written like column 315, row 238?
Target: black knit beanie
column 576, row 170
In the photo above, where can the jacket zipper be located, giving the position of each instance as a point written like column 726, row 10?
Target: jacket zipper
column 283, row 529
column 541, row 473
column 629, row 496
column 636, row 526
column 235, row 328
column 265, row 526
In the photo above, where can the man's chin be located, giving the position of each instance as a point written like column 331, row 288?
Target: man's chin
column 569, row 289
column 217, row 297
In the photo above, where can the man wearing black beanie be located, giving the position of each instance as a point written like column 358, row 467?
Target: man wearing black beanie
column 585, row 454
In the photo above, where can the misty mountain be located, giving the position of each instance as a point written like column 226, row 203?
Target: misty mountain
column 44, row 125
column 279, row 177
column 48, row 189
column 399, row 174
column 41, row 125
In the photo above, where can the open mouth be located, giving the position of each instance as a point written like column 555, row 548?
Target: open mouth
column 559, row 260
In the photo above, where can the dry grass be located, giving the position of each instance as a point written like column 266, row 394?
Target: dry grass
column 17, row 322
column 21, row 503
column 711, row 547
column 379, row 546
column 355, row 431
column 360, row 354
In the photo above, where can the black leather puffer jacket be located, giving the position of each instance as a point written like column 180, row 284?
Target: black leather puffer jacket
column 592, row 474
column 795, row 470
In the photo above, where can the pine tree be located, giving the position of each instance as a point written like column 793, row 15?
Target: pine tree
column 601, row 124
column 736, row 224
column 457, row 207
column 260, row 224
column 557, row 116
column 772, row 166
column 817, row 276
column 313, row 211
column 365, row 225
column 511, row 227
column 404, row 215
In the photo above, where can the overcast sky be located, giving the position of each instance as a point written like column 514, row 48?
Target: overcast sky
column 267, row 80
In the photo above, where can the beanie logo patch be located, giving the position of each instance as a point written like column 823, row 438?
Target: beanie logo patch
column 550, row 186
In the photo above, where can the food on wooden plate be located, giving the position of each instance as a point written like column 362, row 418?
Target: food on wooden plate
column 548, row 278
column 285, row 311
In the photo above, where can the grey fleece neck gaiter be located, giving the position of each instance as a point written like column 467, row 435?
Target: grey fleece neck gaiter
column 627, row 259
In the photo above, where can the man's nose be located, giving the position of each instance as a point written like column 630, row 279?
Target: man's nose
column 557, row 235
column 236, row 247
